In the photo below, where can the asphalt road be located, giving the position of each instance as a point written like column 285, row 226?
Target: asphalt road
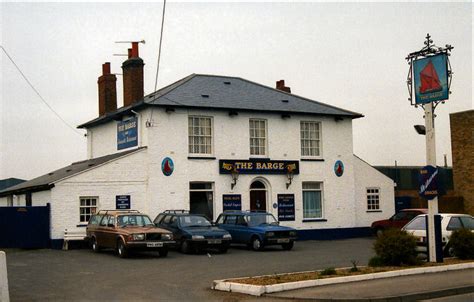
column 81, row 275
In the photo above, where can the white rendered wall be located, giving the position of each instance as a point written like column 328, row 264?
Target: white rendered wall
column 41, row 198
column 367, row 176
column 169, row 138
column 124, row 176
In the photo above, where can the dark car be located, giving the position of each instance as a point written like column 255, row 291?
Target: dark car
column 256, row 229
column 125, row 231
column 193, row 232
column 397, row 221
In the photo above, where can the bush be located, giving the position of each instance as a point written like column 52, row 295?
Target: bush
column 462, row 243
column 396, row 247
column 376, row 261
column 328, row 271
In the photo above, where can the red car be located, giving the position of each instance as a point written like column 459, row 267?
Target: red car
column 396, row 221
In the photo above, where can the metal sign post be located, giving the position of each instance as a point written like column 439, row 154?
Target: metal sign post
column 428, row 81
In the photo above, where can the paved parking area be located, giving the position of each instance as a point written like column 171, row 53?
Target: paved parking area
column 80, row 275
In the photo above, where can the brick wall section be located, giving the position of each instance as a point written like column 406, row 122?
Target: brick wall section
column 462, row 149
column 132, row 81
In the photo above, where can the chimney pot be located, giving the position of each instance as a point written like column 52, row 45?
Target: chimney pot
column 129, row 53
column 134, row 49
column 106, row 68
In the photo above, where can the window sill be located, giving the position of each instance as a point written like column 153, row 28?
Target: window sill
column 312, row 159
column 262, row 157
column 315, row 220
column 81, row 225
column 202, row 157
column 374, row 211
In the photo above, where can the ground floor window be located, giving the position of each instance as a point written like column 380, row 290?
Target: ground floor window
column 201, row 199
column 312, row 200
column 373, row 199
column 87, row 208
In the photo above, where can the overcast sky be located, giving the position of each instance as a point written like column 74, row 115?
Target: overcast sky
column 350, row 55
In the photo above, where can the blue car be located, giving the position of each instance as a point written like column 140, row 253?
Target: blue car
column 193, row 232
column 256, row 229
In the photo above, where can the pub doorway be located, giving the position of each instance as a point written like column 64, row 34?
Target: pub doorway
column 258, row 196
column 201, row 199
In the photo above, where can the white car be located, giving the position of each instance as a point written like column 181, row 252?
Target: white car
column 449, row 223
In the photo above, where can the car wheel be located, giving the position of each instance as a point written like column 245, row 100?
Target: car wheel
column 448, row 251
column 287, row 246
column 163, row 253
column 95, row 245
column 121, row 249
column 257, row 244
column 379, row 232
column 185, row 248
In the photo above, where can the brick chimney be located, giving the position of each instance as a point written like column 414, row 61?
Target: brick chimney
column 132, row 77
column 280, row 85
column 107, row 90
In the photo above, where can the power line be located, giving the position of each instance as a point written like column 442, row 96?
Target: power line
column 159, row 56
column 37, row 93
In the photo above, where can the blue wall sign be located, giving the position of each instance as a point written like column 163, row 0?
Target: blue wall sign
column 286, row 207
column 231, row 202
column 431, row 79
column 167, row 166
column 122, row 202
column 428, row 179
column 339, row 168
column 127, row 133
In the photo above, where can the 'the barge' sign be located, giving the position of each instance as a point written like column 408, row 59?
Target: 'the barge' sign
column 258, row 166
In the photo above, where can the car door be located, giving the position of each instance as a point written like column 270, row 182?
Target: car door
column 100, row 231
column 228, row 223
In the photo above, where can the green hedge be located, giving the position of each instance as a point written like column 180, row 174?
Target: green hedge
column 396, row 247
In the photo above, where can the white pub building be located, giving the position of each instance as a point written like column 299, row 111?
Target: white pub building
column 210, row 143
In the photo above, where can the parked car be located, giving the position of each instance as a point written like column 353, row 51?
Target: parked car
column 449, row 223
column 397, row 221
column 256, row 229
column 193, row 232
column 125, row 231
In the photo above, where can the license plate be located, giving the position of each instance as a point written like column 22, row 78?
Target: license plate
column 214, row 241
column 283, row 240
column 154, row 244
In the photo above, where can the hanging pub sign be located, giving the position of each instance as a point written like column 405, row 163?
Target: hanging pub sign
column 231, row 202
column 167, row 166
column 286, row 207
column 431, row 79
column 127, row 133
column 259, row 166
column 338, row 168
column 122, row 202
column 428, row 179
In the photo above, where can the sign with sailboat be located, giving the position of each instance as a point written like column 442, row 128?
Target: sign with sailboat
column 431, row 79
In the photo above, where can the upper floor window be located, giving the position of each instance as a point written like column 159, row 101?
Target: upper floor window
column 200, row 135
column 258, row 137
column 310, row 138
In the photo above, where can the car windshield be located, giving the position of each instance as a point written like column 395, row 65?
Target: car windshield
column 194, row 221
column 258, row 219
column 419, row 223
column 133, row 220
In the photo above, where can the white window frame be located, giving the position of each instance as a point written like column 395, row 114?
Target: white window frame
column 373, row 199
column 92, row 207
column 306, row 138
column 191, row 136
column 321, row 190
column 264, row 138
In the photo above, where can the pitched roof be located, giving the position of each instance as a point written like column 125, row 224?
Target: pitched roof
column 227, row 93
column 47, row 181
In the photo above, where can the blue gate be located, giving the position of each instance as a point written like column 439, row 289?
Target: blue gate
column 25, row 227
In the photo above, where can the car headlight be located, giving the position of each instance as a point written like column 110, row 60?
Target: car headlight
column 138, row 236
column 167, row 236
column 270, row 234
column 293, row 233
column 227, row 236
column 197, row 237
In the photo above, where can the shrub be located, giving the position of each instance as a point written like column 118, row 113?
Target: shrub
column 328, row 271
column 396, row 247
column 354, row 267
column 462, row 243
column 376, row 261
